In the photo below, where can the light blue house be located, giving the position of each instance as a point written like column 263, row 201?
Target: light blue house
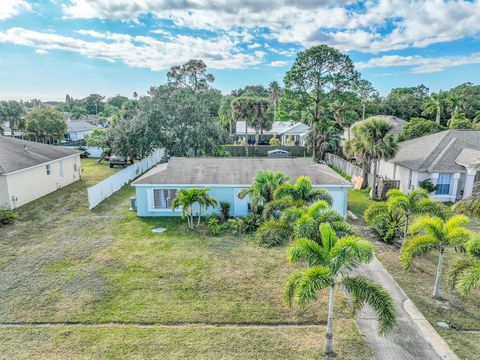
column 226, row 177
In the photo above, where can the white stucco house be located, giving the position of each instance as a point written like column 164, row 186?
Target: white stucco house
column 449, row 158
column 283, row 130
column 226, row 178
column 30, row 170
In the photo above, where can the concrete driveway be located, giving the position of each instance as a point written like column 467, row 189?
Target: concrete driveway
column 414, row 338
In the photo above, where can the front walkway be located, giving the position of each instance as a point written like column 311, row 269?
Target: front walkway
column 414, row 338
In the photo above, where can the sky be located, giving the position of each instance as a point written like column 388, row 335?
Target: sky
column 49, row 48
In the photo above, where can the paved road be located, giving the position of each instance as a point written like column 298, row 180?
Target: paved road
column 413, row 339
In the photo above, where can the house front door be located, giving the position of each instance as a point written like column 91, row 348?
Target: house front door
column 240, row 205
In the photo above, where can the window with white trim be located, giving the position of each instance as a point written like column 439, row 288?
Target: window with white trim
column 162, row 198
column 443, row 184
column 48, row 169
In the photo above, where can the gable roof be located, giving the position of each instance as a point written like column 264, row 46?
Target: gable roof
column 74, row 126
column 438, row 152
column 396, row 122
column 16, row 154
column 278, row 127
column 236, row 171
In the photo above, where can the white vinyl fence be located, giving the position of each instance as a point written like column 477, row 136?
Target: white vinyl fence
column 346, row 166
column 99, row 192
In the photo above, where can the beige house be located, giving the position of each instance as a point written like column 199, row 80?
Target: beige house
column 30, row 170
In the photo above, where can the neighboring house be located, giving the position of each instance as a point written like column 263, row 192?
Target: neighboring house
column 396, row 122
column 29, row 170
column 448, row 158
column 226, row 178
column 77, row 129
column 296, row 132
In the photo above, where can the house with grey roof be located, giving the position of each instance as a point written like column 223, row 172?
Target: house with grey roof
column 77, row 129
column 30, row 170
column 226, row 177
column 288, row 132
column 450, row 159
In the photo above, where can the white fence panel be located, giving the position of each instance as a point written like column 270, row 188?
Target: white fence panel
column 99, row 192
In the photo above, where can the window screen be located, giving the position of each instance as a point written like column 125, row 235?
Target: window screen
column 443, row 184
column 162, row 198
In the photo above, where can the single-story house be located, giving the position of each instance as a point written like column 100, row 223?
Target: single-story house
column 449, row 158
column 285, row 131
column 396, row 122
column 30, row 170
column 226, row 178
column 77, row 129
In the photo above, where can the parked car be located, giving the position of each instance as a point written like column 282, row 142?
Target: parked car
column 117, row 160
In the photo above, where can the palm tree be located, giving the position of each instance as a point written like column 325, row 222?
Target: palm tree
column 275, row 92
column 187, row 198
column 465, row 273
column 263, row 186
column 407, row 205
column 435, row 106
column 373, row 141
column 328, row 265
column 431, row 233
column 454, row 100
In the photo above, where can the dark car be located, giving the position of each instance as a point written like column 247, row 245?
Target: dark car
column 117, row 160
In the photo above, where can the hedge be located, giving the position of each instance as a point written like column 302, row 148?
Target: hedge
column 262, row 150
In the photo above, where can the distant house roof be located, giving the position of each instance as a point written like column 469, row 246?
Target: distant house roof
column 236, row 171
column 446, row 151
column 75, row 126
column 16, row 154
column 396, row 122
column 278, row 128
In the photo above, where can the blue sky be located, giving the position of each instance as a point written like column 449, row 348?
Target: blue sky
column 49, row 48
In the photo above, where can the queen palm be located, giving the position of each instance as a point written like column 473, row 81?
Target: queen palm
column 435, row 106
column 464, row 274
column 432, row 233
column 328, row 265
column 263, row 186
column 275, row 92
column 187, row 198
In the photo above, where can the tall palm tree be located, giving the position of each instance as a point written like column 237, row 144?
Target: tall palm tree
column 187, row 198
column 408, row 205
column 328, row 265
column 275, row 92
column 435, row 106
column 464, row 274
column 431, row 233
column 263, row 186
column 454, row 99
column 374, row 142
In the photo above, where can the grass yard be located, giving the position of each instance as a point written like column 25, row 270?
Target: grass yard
column 462, row 313
column 111, row 288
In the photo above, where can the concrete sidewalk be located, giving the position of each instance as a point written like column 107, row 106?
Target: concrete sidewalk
column 414, row 338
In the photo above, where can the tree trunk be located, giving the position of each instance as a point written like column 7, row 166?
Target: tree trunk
column 437, row 118
column 363, row 111
column 438, row 277
column 256, row 143
column 365, row 171
column 374, row 176
column 405, row 232
column 314, row 139
column 329, row 334
column 199, row 215
column 246, row 139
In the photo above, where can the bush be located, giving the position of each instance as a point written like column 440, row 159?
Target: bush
column 274, row 141
column 428, row 185
column 7, row 217
column 274, row 233
column 386, row 228
column 251, row 222
column 225, row 210
column 214, row 225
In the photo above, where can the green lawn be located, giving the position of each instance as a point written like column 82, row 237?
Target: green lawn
column 358, row 202
column 134, row 293
column 462, row 313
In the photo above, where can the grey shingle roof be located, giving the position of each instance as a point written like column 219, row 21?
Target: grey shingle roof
column 74, row 126
column 237, row 171
column 16, row 154
column 437, row 152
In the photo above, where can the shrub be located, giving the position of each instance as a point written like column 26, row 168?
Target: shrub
column 251, row 222
column 386, row 227
column 274, row 141
column 214, row 225
column 225, row 210
column 236, row 225
column 274, row 233
column 7, row 217
column 428, row 185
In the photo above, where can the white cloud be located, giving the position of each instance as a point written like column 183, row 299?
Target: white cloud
column 420, row 64
column 10, row 8
column 370, row 26
column 278, row 63
column 254, row 46
column 139, row 51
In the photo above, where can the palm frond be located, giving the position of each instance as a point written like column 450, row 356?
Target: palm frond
column 457, row 268
column 416, row 195
column 364, row 291
column 306, row 250
column 319, row 194
column 416, row 246
column 329, row 237
column 394, row 193
column 430, row 224
column 291, row 287
column 468, row 279
column 312, row 281
column 458, row 236
column 319, row 206
column 375, row 210
column 349, row 252
column 434, row 208
column 456, row 221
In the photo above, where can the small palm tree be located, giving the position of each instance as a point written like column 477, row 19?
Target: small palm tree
column 435, row 106
column 471, row 205
column 465, row 273
column 328, row 265
column 187, row 198
column 431, row 233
